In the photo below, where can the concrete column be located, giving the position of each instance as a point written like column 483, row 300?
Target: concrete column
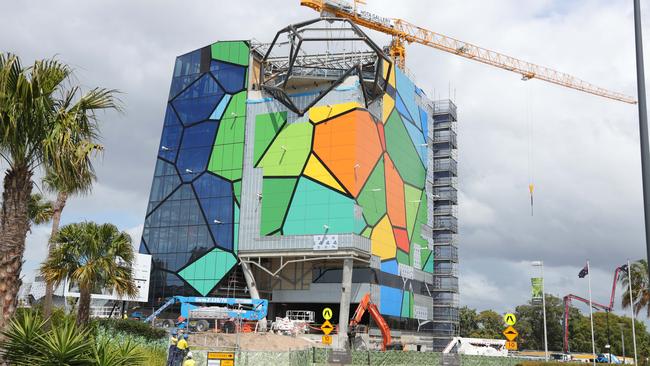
column 346, row 294
column 252, row 290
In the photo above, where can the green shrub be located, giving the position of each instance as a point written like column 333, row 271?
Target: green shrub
column 133, row 327
column 30, row 340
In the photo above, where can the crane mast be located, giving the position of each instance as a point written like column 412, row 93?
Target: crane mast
column 403, row 32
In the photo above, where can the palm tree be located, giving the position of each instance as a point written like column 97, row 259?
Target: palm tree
column 640, row 293
column 93, row 257
column 40, row 210
column 64, row 188
column 44, row 124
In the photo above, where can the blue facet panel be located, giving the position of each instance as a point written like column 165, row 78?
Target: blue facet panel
column 231, row 77
column 176, row 232
column 423, row 122
column 165, row 180
column 196, row 149
column 216, row 196
column 171, row 135
column 197, row 102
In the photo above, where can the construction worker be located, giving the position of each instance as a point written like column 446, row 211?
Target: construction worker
column 189, row 361
column 183, row 348
column 173, row 350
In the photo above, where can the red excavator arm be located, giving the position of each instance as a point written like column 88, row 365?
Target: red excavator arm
column 367, row 305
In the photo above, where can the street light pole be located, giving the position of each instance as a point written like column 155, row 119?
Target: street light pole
column 541, row 265
column 623, row 342
column 643, row 124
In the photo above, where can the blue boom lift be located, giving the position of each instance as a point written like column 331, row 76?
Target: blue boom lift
column 223, row 308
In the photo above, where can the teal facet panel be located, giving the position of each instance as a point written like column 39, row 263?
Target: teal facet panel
column 316, row 209
column 208, row 270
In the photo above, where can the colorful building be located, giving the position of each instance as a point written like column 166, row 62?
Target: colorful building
column 311, row 190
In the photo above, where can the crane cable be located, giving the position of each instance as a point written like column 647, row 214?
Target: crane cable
column 531, row 131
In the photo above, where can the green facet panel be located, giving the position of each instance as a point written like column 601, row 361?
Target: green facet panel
column 406, row 304
column 412, row 197
column 266, row 127
column 366, row 232
column 403, row 257
column 428, row 265
column 372, row 198
column 236, row 52
column 235, row 239
column 236, row 187
column 421, row 219
column 228, row 152
column 289, row 151
column 208, row 270
column 276, row 196
column 316, row 209
column 403, row 153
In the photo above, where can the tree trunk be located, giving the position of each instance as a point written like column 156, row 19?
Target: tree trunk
column 14, row 225
column 61, row 199
column 83, row 312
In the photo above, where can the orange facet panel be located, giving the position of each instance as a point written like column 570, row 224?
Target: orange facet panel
column 349, row 146
column 382, row 135
column 394, row 194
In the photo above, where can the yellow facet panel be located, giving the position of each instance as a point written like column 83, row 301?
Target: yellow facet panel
column 322, row 113
column 383, row 240
column 317, row 171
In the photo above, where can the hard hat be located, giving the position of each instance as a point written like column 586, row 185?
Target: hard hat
column 173, row 332
column 189, row 354
column 185, row 336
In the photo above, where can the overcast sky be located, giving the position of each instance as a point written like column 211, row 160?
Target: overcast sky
column 585, row 156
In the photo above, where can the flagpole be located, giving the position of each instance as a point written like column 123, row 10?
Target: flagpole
column 629, row 282
column 591, row 317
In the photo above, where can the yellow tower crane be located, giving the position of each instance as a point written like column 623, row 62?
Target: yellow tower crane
column 404, row 32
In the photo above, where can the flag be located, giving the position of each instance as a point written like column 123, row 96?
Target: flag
column 536, row 290
column 583, row 272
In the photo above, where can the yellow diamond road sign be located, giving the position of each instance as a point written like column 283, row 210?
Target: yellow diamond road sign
column 327, row 327
column 327, row 313
column 510, row 333
column 510, row 319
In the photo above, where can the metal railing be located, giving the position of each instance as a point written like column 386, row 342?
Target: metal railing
column 446, row 165
column 445, row 239
column 444, row 137
column 445, row 284
column 445, row 269
column 446, row 194
column 445, row 153
column 443, row 181
column 445, row 253
column 446, row 210
column 444, row 124
column 445, row 313
column 444, row 106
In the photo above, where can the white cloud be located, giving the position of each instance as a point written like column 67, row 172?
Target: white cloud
column 585, row 149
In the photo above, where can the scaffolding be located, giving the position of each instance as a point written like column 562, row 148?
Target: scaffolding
column 441, row 181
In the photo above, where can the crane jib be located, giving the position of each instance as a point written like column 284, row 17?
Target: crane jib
column 407, row 32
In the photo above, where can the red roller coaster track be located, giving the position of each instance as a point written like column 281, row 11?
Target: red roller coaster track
column 595, row 305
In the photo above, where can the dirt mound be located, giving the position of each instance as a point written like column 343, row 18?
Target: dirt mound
column 249, row 341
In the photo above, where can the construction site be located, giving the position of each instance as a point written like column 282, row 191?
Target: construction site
column 306, row 173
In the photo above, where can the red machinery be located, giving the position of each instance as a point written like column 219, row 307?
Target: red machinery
column 595, row 305
column 367, row 305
